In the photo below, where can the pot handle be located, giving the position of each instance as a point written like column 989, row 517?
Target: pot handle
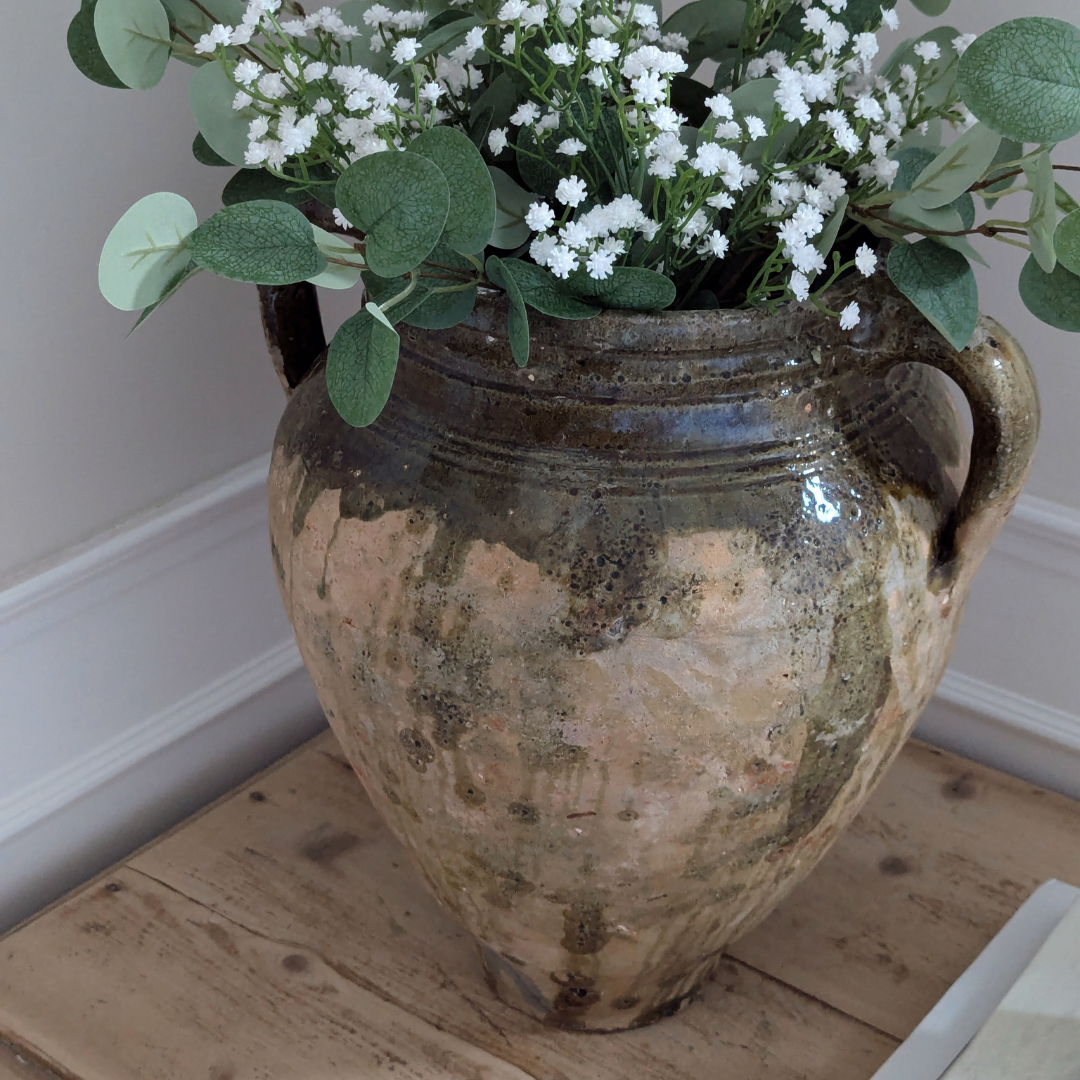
column 997, row 380
column 294, row 330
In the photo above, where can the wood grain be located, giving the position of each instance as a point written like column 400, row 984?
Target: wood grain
column 938, row 861
column 284, row 934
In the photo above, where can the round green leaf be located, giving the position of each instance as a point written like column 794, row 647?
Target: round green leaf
column 181, row 278
column 957, row 167
column 540, row 289
column 512, row 203
column 1023, row 79
column 250, row 184
column 400, row 201
column 225, row 129
column 85, row 52
column 360, row 366
column 628, row 287
column 939, row 282
column 472, row 194
column 264, row 242
column 440, row 310
column 336, row 276
column 146, row 250
column 205, row 154
column 134, row 39
column 192, row 19
column 1067, row 241
column 1053, row 298
column 938, row 76
column 932, row 7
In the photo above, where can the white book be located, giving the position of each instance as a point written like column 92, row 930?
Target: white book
column 1015, row 1013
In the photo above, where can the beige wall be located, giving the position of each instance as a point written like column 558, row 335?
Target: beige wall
column 95, row 427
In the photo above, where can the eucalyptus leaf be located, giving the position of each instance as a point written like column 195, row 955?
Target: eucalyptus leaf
column 862, row 14
column 540, row 289
column 939, row 75
column 134, row 39
column 1067, row 241
column 471, row 217
column 493, row 107
column 1053, row 298
column 249, row 185
column 908, row 212
column 173, row 287
column 1042, row 220
column 1008, row 152
column 336, row 276
column 146, row 250
column 512, row 203
column 401, row 202
column 711, row 26
column 265, row 242
column 444, row 39
column 533, row 166
column 940, row 283
column 192, row 22
column 360, row 366
column 85, row 51
column 957, row 167
column 441, row 310
column 205, row 154
column 932, row 7
column 1022, row 78
column 358, row 49
column 1065, row 202
column 628, row 287
column 382, row 290
column 517, row 321
column 827, row 238
column 225, row 129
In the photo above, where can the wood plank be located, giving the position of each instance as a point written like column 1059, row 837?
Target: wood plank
column 939, row 860
column 300, row 866
column 14, row 1065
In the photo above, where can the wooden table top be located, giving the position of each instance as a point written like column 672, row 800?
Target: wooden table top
column 283, row 933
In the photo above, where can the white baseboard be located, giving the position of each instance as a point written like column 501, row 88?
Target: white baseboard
column 143, row 674
column 148, row 671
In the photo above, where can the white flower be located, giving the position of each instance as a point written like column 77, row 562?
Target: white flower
column 676, row 41
column 247, row 71
column 242, row 100
column 540, row 217
column 291, row 66
column 720, row 106
column 258, row 128
column 865, row 260
column 799, row 286
column 378, row 15
column 534, row 15
column 715, row 244
column 835, row 6
column 341, row 220
column 835, row 37
column 509, row 43
column 927, row 51
column 541, row 248
column 666, row 118
column 562, row 261
column 869, row 108
column 570, row 147
column 241, row 35
column 849, row 317
column 757, row 68
column 866, row 46
column 316, row 71
column 561, row 54
column 322, row 107
column 729, row 129
column 889, row 18
column 816, row 21
column 807, row 259
column 571, row 191
column 255, row 154
column 755, row 127
column 601, row 51
column 885, row 169
column 602, row 25
column 808, row 220
column 405, row 50
column 496, row 140
column 218, row 35
column 548, row 122
column 526, row 114
column 567, row 15
column 600, row 263
column 430, row 92
column 789, row 96
column 720, row 201
column 649, row 88
column 271, row 85
column 512, row 10
column 963, row 42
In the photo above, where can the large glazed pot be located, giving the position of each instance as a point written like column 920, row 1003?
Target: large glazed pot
column 620, row 642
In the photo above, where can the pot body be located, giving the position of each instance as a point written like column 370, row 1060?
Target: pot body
column 618, row 643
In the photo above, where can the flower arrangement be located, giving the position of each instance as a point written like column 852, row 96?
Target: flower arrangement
column 573, row 154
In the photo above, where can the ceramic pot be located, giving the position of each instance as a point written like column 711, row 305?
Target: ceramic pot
column 620, row 642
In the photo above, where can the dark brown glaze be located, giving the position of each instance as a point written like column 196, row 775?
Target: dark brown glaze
column 619, row 642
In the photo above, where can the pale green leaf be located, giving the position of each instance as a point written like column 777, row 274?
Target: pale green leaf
column 225, row 129
column 85, row 52
column 146, row 250
column 264, row 242
column 360, row 366
column 938, row 76
column 512, row 203
column 711, row 27
column 957, row 167
column 932, row 7
column 134, row 39
column 827, row 238
column 336, row 276
column 1043, row 216
column 939, row 282
column 472, row 195
column 400, row 201
column 181, row 278
column 1022, row 78
column 1067, row 241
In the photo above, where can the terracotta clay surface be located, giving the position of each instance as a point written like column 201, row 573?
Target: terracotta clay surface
column 620, row 642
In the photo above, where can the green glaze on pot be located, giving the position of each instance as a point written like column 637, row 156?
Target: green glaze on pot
column 620, row 642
